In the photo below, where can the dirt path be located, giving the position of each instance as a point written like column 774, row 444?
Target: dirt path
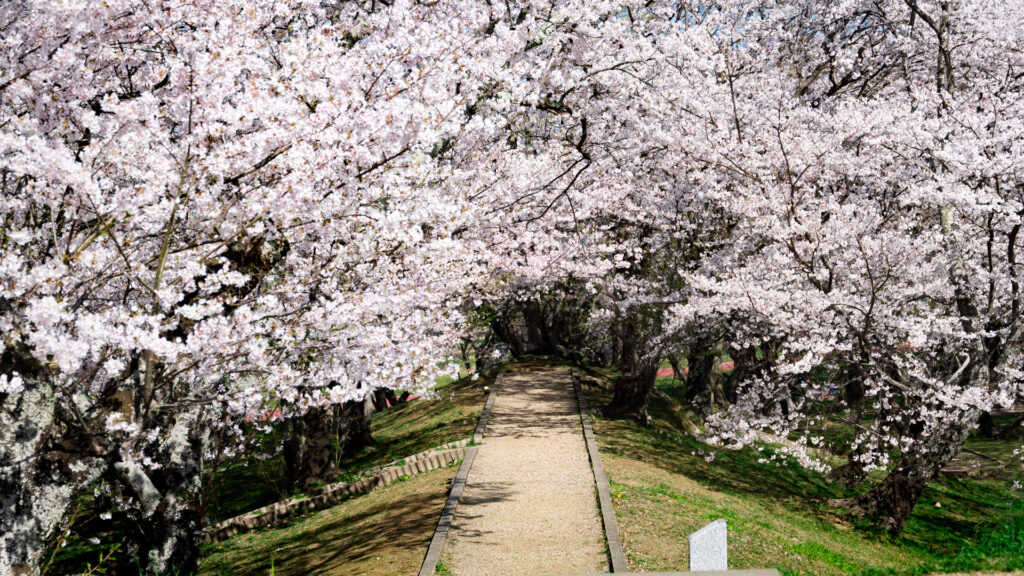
column 529, row 506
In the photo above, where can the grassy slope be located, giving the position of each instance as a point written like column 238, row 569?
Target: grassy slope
column 664, row 489
column 397, row 432
column 382, row 533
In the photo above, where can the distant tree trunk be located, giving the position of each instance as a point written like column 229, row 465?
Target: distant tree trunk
column 744, row 360
column 704, row 383
column 380, row 399
column 353, row 427
column 853, row 390
column 639, row 372
column 1007, row 432
column 987, row 425
column 677, row 369
column 504, row 332
column 536, row 328
column 315, row 442
column 394, row 399
column 384, row 397
column 852, row 473
column 632, row 394
column 311, row 448
column 464, row 352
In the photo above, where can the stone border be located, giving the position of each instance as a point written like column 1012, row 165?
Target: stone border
column 481, row 425
column 611, row 529
column 447, row 516
column 329, row 495
column 448, row 512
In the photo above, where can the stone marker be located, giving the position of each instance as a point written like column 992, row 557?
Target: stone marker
column 709, row 548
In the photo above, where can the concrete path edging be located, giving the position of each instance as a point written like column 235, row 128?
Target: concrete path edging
column 448, row 512
column 611, row 529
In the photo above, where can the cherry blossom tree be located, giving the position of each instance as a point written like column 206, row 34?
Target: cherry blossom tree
column 833, row 184
column 873, row 182
column 210, row 209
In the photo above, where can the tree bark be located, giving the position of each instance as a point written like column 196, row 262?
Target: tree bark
column 42, row 470
column 677, row 367
column 39, row 479
column 353, row 427
column 504, row 332
column 639, row 372
column 162, row 540
column 743, row 362
column 632, row 395
column 533, row 316
column 892, row 501
column 311, row 448
column 704, row 383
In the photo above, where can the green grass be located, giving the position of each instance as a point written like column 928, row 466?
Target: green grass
column 381, row 533
column 400, row 431
column 249, row 483
column 664, row 488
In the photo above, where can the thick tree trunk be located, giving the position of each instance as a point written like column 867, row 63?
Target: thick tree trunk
column 45, row 464
column 315, row 443
column 632, row 394
column 538, row 339
column 633, row 388
column 892, row 501
column 504, row 333
column 163, row 539
column 353, row 427
column 311, row 448
column 39, row 482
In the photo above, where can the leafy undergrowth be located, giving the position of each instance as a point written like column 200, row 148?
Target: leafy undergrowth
column 666, row 485
column 382, row 533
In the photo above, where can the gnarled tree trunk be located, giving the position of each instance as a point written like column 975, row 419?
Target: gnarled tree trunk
column 39, row 479
column 893, row 499
column 163, row 539
column 639, row 372
column 316, row 441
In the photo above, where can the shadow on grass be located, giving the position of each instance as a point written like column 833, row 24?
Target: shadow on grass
column 338, row 541
column 397, row 432
column 954, row 516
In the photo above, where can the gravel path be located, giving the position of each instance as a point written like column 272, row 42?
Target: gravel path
column 529, row 506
